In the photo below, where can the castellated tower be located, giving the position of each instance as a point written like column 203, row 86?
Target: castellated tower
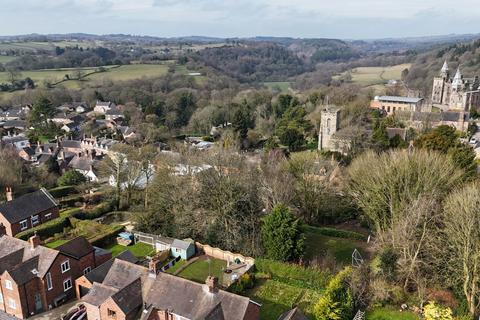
column 441, row 86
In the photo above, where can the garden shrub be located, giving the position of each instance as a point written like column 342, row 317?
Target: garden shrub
column 62, row 191
column 45, row 230
column 432, row 311
column 245, row 282
column 336, row 302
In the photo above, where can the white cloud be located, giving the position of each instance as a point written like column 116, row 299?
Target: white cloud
column 309, row 18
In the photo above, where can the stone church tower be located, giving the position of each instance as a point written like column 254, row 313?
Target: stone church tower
column 330, row 124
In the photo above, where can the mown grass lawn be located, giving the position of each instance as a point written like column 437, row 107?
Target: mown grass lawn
column 390, row 314
column 321, row 246
column 177, row 266
column 55, row 243
column 277, row 297
column 199, row 270
column 139, row 250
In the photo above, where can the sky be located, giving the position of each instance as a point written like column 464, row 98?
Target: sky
column 345, row 19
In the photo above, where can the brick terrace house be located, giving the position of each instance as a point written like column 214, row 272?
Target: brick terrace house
column 27, row 211
column 127, row 291
column 34, row 278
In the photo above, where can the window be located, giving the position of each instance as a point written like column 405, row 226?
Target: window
column 12, row 304
column 35, row 220
column 49, row 281
column 87, row 270
column 23, row 224
column 112, row 314
column 48, row 215
column 65, row 266
column 67, row 284
column 1, row 297
column 8, row 285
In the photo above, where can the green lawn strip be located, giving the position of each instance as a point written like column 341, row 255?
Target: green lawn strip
column 390, row 314
column 277, row 297
column 322, row 246
column 139, row 250
column 56, row 243
column 177, row 266
column 200, row 270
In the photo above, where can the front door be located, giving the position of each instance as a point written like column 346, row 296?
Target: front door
column 38, row 303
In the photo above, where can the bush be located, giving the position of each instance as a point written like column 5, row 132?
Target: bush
column 337, row 301
column 62, row 191
column 46, row 230
column 96, row 233
column 388, row 263
column 293, row 274
column 71, row 212
column 433, row 311
column 71, row 178
column 98, row 211
column 103, row 240
column 246, row 281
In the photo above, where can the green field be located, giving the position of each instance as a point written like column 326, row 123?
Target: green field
column 281, row 86
column 5, row 59
column 139, row 250
column 199, row 270
column 321, row 246
column 370, row 76
column 32, row 46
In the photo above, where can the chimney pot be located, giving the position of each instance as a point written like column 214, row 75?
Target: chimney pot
column 212, row 283
column 9, row 193
column 34, row 241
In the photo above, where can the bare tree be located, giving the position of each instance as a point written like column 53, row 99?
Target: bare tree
column 462, row 230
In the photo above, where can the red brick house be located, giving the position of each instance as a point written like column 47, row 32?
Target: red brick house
column 27, row 211
column 128, row 291
column 34, row 278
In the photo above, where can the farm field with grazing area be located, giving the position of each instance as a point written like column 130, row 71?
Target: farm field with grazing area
column 369, row 76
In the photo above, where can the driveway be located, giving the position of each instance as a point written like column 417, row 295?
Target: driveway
column 56, row 314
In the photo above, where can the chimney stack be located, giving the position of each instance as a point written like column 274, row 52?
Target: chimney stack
column 212, row 283
column 34, row 241
column 9, row 194
column 153, row 266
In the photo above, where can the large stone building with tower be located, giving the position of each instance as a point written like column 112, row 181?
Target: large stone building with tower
column 457, row 93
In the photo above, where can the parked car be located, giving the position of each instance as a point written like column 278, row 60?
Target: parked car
column 473, row 141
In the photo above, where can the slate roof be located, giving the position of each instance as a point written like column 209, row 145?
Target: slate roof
column 27, row 205
column 196, row 301
column 129, row 298
column 73, row 144
column 76, row 248
column 99, row 273
column 18, row 257
column 6, row 316
column 399, row 99
column 26, row 271
column 294, row 314
column 98, row 294
column 81, row 163
column 20, row 124
column 180, row 244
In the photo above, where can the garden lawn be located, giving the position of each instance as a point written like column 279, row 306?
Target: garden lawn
column 199, row 270
column 56, row 243
column 277, row 297
column 177, row 266
column 320, row 246
column 389, row 314
column 139, row 250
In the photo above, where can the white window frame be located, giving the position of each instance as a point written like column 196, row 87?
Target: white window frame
column 49, row 281
column 24, row 224
column 12, row 303
column 36, row 218
column 69, row 284
column 48, row 215
column 65, row 263
column 8, row 285
column 87, row 270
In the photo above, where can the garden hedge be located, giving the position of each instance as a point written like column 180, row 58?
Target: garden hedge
column 60, row 192
column 46, row 230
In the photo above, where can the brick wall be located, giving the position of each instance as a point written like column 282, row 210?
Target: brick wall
column 13, row 229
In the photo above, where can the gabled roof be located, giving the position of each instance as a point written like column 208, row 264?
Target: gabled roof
column 99, row 273
column 195, row 301
column 294, row 314
column 129, row 298
column 27, row 205
column 76, row 248
column 17, row 257
column 180, row 244
column 73, row 144
column 26, row 271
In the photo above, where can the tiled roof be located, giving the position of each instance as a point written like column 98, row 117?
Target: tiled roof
column 27, row 205
column 15, row 252
column 6, row 316
column 76, row 248
column 294, row 314
column 99, row 273
column 399, row 99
